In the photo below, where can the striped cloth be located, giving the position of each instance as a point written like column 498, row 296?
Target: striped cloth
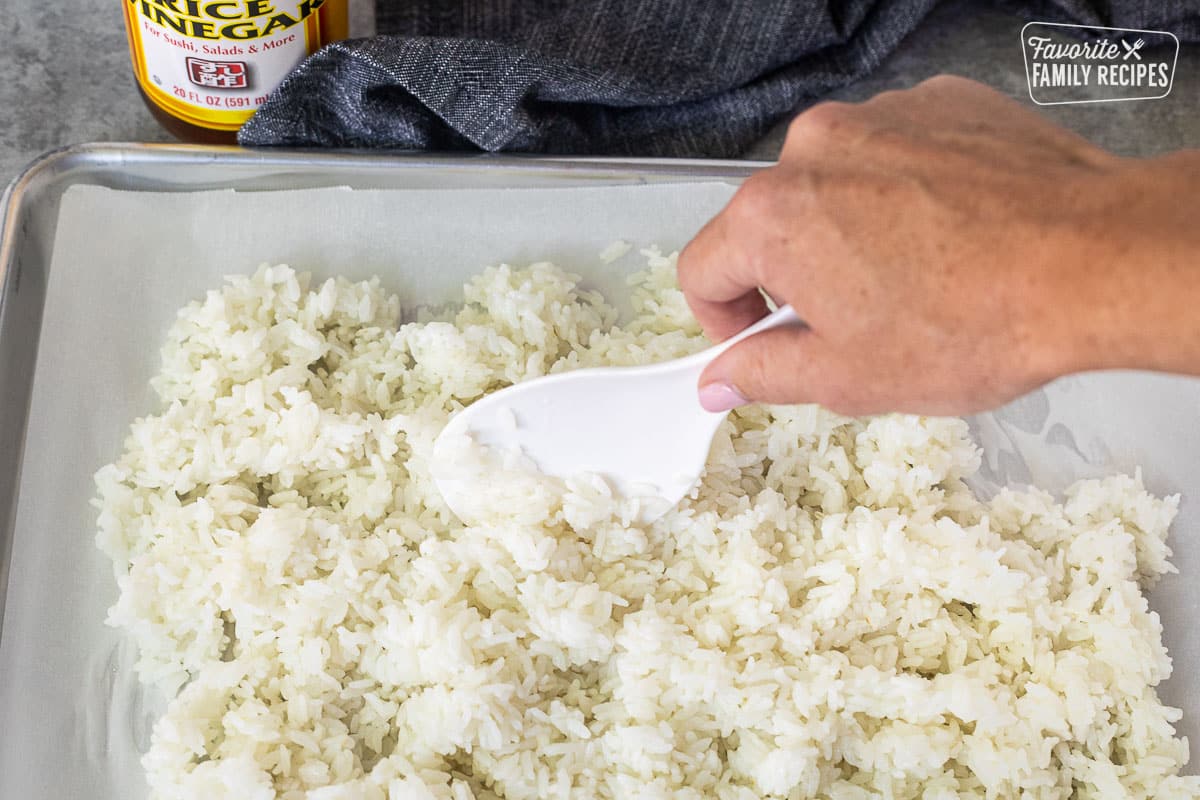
column 686, row 78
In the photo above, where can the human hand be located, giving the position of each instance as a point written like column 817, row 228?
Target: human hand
column 948, row 249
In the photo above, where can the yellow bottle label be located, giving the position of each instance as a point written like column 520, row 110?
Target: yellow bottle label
column 213, row 62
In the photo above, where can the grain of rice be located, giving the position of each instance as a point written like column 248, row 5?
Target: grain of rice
column 831, row 614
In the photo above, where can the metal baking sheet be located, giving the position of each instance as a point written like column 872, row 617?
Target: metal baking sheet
column 107, row 244
column 29, row 215
column 1080, row 426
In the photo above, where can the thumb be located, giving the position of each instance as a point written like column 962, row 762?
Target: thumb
column 784, row 365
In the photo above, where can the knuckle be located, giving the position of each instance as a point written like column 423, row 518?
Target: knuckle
column 943, row 81
column 754, row 198
column 683, row 266
column 688, row 268
column 888, row 105
column 819, row 122
column 886, row 97
column 694, row 269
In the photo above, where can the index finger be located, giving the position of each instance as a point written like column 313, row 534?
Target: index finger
column 719, row 272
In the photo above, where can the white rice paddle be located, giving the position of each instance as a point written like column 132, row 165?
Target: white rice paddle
column 641, row 429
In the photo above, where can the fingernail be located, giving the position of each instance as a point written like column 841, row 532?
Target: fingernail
column 720, row 396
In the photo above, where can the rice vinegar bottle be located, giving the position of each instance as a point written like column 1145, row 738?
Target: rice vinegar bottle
column 204, row 66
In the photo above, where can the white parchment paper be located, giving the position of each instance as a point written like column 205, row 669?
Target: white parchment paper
column 72, row 717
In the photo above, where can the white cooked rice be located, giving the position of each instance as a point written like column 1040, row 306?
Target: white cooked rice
column 834, row 615
column 614, row 251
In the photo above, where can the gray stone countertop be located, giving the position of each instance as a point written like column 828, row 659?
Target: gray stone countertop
column 67, row 80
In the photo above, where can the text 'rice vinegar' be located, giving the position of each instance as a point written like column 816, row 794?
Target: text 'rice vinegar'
column 205, row 66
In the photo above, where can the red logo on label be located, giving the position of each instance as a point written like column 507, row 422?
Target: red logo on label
column 218, row 74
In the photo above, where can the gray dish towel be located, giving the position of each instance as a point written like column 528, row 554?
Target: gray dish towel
column 684, row 78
